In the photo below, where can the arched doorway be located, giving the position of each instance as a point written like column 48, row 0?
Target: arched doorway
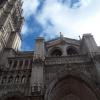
column 13, row 98
column 70, row 97
column 72, row 88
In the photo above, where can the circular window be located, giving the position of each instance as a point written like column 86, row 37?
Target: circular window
column 72, row 51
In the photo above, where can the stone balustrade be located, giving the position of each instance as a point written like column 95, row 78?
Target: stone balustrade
column 14, row 87
column 66, row 59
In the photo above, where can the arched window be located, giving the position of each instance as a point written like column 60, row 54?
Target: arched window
column 28, row 79
column 23, row 80
column 4, row 80
column 16, row 79
column 56, row 52
column 72, row 51
column 10, row 79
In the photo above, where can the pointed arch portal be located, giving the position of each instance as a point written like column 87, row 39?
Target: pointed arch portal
column 72, row 88
column 13, row 98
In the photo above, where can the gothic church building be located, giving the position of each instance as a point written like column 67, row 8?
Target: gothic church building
column 59, row 69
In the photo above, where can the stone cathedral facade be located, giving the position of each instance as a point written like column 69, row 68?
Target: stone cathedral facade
column 59, row 69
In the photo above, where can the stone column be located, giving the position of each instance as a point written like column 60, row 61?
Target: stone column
column 40, row 52
column 12, row 65
column 37, row 77
column 28, row 64
column 23, row 64
column 17, row 67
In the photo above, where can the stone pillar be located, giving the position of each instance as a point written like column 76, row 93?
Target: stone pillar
column 23, row 64
column 17, row 67
column 88, row 44
column 29, row 62
column 37, row 80
column 37, row 68
column 39, row 52
column 12, row 65
column 64, row 51
column 97, row 64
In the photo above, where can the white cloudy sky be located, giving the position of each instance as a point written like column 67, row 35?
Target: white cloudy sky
column 55, row 16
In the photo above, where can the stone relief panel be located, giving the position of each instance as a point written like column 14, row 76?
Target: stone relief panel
column 53, row 72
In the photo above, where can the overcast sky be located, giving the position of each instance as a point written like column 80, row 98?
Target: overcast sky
column 50, row 17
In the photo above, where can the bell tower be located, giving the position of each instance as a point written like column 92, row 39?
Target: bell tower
column 11, row 21
column 10, row 24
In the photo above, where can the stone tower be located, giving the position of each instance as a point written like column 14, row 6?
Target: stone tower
column 10, row 24
column 10, row 27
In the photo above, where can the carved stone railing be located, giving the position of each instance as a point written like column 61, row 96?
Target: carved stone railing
column 66, row 59
column 14, row 87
